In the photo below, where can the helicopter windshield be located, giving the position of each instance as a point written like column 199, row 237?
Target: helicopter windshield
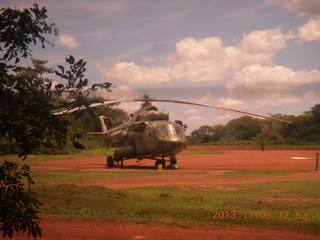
column 163, row 131
column 170, row 130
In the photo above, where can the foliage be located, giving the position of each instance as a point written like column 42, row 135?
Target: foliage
column 25, row 107
column 316, row 113
column 203, row 134
column 243, row 128
column 20, row 28
column 77, row 85
column 75, row 93
column 26, row 118
column 18, row 204
column 305, row 129
column 25, row 113
column 84, row 121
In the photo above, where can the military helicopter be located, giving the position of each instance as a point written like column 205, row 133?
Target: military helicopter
column 149, row 134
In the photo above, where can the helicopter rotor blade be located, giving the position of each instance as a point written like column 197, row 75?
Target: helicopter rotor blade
column 220, row 108
column 90, row 106
column 146, row 99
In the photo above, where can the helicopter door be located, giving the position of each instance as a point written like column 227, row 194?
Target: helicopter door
column 150, row 138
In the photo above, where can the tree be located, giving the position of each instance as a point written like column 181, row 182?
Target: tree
column 316, row 113
column 20, row 28
column 25, row 107
column 18, row 208
column 25, row 113
column 243, row 128
column 77, row 88
column 203, row 134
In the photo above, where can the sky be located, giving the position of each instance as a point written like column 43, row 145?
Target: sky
column 260, row 56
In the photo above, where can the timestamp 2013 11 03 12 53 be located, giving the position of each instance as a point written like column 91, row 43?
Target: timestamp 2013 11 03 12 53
column 260, row 214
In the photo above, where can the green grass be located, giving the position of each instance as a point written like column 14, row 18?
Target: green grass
column 193, row 151
column 249, row 174
column 64, row 176
column 173, row 205
column 33, row 160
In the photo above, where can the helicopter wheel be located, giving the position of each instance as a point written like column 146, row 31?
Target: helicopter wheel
column 110, row 162
column 160, row 162
column 173, row 162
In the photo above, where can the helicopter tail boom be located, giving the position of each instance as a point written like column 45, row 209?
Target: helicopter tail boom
column 103, row 127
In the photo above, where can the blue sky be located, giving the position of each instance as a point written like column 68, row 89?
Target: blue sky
column 261, row 56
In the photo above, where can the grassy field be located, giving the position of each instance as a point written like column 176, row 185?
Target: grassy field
column 63, row 176
column 271, row 206
column 193, row 151
column 33, row 160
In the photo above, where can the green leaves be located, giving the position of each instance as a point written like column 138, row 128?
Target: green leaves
column 20, row 28
column 25, row 114
column 19, row 206
column 77, row 85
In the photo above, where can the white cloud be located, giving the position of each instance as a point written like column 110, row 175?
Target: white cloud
column 309, row 31
column 131, row 73
column 278, row 100
column 258, row 80
column 265, row 41
column 195, row 121
column 301, row 7
column 121, row 92
column 204, row 60
column 231, row 103
column 192, row 111
column 67, row 41
column 248, row 67
column 198, row 60
column 207, row 96
column 223, row 119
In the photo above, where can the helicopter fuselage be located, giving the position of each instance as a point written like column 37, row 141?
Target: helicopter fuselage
column 148, row 140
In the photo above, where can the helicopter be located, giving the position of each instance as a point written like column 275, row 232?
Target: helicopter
column 149, row 134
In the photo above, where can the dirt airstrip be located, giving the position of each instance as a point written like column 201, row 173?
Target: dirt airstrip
column 193, row 173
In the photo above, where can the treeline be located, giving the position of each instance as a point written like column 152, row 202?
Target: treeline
column 27, row 121
column 305, row 129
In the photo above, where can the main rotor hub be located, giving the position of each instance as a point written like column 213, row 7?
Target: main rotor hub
column 146, row 101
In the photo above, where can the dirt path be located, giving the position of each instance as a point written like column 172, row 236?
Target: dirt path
column 80, row 229
column 230, row 159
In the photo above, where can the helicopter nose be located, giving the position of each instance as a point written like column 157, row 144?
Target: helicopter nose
column 171, row 144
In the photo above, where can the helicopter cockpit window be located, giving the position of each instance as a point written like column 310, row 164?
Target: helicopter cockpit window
column 163, row 131
column 172, row 131
column 179, row 132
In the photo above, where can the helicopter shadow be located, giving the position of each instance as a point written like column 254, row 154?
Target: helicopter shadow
column 137, row 167
column 130, row 167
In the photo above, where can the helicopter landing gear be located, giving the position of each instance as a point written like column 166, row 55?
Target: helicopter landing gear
column 160, row 162
column 119, row 161
column 173, row 162
column 110, row 162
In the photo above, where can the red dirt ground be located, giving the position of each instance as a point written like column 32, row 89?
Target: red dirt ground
column 190, row 175
column 80, row 229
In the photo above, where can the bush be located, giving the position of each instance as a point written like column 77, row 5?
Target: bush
column 19, row 207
